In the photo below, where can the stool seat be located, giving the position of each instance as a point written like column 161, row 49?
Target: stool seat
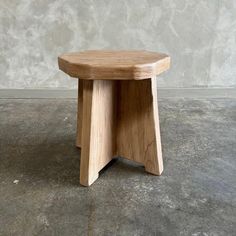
column 114, row 65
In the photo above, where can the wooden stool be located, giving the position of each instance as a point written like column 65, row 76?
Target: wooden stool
column 117, row 108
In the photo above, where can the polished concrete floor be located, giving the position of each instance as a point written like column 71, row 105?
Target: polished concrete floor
column 39, row 174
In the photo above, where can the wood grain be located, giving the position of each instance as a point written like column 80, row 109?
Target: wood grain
column 119, row 118
column 138, row 134
column 79, row 113
column 114, row 65
column 98, row 147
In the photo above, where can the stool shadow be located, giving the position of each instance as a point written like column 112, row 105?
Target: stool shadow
column 56, row 162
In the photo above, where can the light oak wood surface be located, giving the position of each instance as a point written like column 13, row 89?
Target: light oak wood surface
column 117, row 108
column 138, row 134
column 114, row 65
column 79, row 113
column 97, row 128
column 118, row 118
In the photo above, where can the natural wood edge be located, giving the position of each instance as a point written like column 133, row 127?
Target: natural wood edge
column 86, row 132
column 136, row 72
column 79, row 113
column 155, row 167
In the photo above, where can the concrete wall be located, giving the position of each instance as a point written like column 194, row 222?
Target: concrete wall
column 199, row 35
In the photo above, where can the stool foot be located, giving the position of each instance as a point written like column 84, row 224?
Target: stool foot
column 98, row 146
column 138, row 131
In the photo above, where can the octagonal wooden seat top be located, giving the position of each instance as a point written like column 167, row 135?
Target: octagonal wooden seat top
column 117, row 108
column 114, row 65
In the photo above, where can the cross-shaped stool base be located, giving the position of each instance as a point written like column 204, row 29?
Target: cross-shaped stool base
column 117, row 118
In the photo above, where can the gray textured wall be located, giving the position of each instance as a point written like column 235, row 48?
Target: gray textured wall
column 199, row 35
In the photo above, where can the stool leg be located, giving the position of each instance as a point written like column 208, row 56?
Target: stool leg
column 138, row 132
column 98, row 145
column 79, row 113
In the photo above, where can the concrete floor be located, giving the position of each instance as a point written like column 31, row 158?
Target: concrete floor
column 39, row 174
